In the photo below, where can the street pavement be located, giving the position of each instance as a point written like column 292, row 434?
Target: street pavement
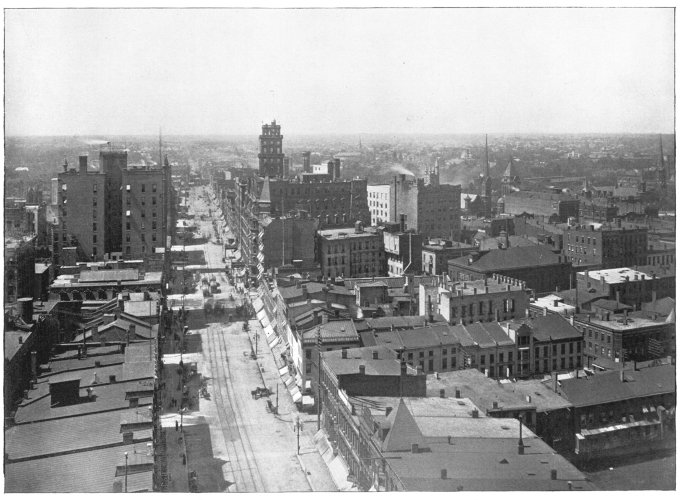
column 233, row 441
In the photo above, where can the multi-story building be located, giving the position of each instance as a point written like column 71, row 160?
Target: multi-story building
column 145, row 209
column 287, row 241
column 351, row 252
column 437, row 253
column 379, row 203
column 117, row 210
column 557, row 206
column 661, row 253
column 611, row 338
column 630, row 286
column 498, row 298
column 19, row 262
column 539, row 266
column 599, row 246
column 621, row 412
column 403, row 249
column 271, row 151
column 432, row 210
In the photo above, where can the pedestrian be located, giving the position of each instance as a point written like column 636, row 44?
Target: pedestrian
column 176, row 426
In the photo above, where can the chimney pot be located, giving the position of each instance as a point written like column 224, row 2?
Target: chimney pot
column 362, row 369
column 475, row 413
column 344, row 353
column 443, row 474
column 495, row 405
column 375, row 354
column 442, row 393
column 414, row 448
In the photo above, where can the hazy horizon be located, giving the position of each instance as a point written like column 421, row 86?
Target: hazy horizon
column 392, row 72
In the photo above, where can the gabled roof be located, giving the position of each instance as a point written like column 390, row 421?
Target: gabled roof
column 607, row 387
column 403, row 432
column 510, row 170
column 511, row 258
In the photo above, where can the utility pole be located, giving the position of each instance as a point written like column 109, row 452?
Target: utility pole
column 126, row 470
column 277, row 398
column 318, row 382
column 297, row 426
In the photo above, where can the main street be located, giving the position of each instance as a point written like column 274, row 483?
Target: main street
column 256, row 450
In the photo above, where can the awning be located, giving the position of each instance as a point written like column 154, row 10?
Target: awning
column 283, row 371
column 269, row 331
column 308, row 385
column 261, row 315
column 295, row 393
column 258, row 304
column 298, row 380
column 274, row 341
column 290, row 383
column 307, row 401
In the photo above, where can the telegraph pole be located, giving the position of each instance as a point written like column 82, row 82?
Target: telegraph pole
column 318, row 382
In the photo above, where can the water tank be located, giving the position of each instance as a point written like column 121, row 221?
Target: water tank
column 25, row 306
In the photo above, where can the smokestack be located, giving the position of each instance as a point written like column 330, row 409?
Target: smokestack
column 336, row 164
column 82, row 163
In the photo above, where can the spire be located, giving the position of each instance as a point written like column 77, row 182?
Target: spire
column 486, row 154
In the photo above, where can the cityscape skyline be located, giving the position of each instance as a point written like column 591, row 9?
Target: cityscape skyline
column 341, row 71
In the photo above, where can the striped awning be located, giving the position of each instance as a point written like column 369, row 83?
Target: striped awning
column 295, row 393
column 274, row 342
column 258, row 304
column 269, row 331
column 283, row 371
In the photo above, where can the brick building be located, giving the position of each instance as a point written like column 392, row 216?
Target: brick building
column 403, row 249
column 599, row 246
column 631, row 286
column 437, row 253
column 539, row 266
column 117, row 210
column 351, row 252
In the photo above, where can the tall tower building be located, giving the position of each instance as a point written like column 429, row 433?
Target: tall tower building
column 271, row 151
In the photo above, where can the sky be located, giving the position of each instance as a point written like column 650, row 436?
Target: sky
column 338, row 71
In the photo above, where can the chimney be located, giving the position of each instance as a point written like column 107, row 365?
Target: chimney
column 375, row 354
column 414, row 448
column 494, row 405
column 82, row 162
column 457, row 393
column 34, row 366
column 362, row 369
column 344, row 353
column 131, row 333
column 443, row 474
column 442, row 393
column 402, row 223
column 475, row 413
column 554, row 381
column 388, row 410
column 553, row 474
column 403, row 368
column 520, row 443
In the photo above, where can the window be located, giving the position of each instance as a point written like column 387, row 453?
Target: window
column 430, row 354
column 500, row 357
column 153, row 237
column 94, row 187
column 153, row 200
column 444, row 363
column 482, row 359
column 421, row 354
column 430, row 365
column 127, row 250
column 444, row 351
column 94, row 250
column 308, row 352
column 154, row 214
column 571, row 348
column 143, row 188
column 127, row 226
column 510, row 357
column 127, row 237
column 94, row 226
column 153, row 225
column 94, row 239
column 94, row 202
column 153, row 189
column 143, row 214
